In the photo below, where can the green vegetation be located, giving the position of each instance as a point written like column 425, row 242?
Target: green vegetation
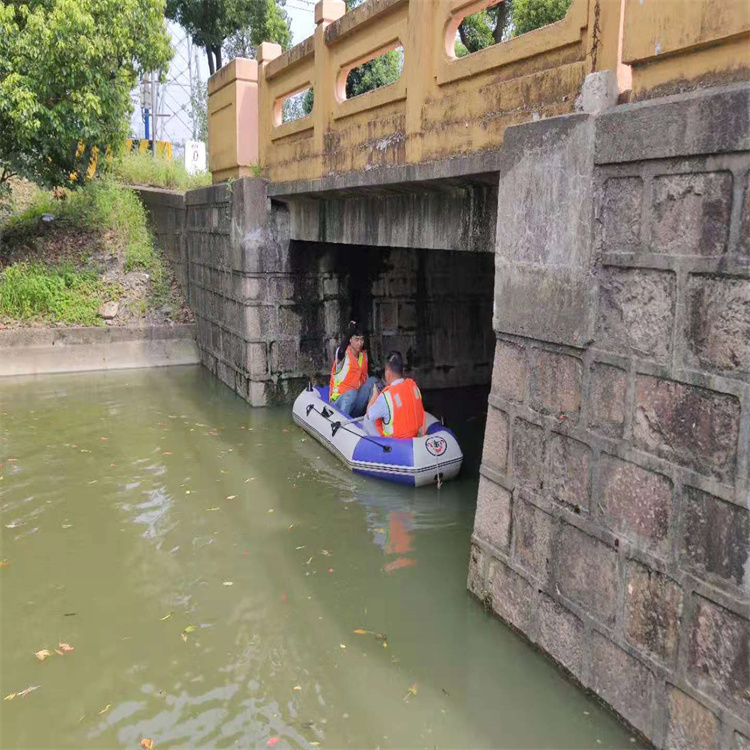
column 67, row 68
column 32, row 291
column 143, row 169
column 239, row 26
column 506, row 20
column 54, row 270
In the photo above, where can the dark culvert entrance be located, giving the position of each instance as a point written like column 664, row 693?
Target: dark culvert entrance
column 434, row 306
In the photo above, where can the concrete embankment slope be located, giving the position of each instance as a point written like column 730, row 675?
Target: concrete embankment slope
column 37, row 351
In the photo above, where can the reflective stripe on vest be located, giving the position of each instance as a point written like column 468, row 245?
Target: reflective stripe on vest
column 352, row 374
column 405, row 410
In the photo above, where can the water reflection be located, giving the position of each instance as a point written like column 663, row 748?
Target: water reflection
column 213, row 568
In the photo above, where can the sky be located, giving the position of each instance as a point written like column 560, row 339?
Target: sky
column 176, row 127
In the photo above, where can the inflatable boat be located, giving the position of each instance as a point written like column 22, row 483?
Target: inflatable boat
column 432, row 459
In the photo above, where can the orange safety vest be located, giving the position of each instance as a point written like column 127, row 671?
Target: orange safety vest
column 352, row 374
column 405, row 407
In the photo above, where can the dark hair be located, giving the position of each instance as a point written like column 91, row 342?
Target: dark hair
column 354, row 329
column 395, row 363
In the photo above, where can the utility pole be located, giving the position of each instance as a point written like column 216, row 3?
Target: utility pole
column 154, row 115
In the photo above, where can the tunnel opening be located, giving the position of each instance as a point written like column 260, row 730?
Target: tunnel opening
column 434, row 306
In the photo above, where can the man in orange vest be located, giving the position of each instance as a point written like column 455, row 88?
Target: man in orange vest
column 350, row 387
column 397, row 411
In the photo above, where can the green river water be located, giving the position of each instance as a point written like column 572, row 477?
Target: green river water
column 208, row 564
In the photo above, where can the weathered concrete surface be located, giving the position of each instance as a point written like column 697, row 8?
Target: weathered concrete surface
column 37, row 351
column 613, row 524
column 544, row 225
column 166, row 212
column 270, row 308
column 451, row 218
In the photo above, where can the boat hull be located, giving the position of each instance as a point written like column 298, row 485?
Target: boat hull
column 414, row 462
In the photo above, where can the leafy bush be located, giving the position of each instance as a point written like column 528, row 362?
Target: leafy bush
column 32, row 291
column 143, row 169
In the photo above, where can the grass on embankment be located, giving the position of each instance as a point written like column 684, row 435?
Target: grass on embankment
column 63, row 255
column 143, row 169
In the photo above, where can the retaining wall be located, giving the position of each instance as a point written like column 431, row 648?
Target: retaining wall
column 38, row 351
column 166, row 212
column 612, row 526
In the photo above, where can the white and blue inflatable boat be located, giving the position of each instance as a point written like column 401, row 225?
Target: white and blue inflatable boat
column 432, row 459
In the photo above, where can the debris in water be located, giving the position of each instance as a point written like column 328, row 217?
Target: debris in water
column 272, row 741
column 231, row 497
column 65, row 647
column 105, row 709
column 14, row 524
column 42, row 655
column 147, row 744
column 228, row 583
column 166, row 617
column 21, row 693
column 297, row 688
column 411, row 692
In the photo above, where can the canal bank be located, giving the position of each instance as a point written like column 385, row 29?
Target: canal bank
column 210, row 565
column 39, row 351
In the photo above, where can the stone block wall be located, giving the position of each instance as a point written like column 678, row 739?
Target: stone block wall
column 434, row 306
column 166, row 213
column 613, row 521
column 270, row 310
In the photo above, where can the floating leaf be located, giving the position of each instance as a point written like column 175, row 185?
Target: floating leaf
column 297, row 688
column 105, row 709
column 231, row 497
column 42, row 655
column 147, row 744
column 184, row 637
column 411, row 692
column 166, row 617
column 360, row 631
column 190, row 628
column 3, row 563
column 9, row 697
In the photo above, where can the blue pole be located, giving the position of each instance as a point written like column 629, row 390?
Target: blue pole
column 146, row 113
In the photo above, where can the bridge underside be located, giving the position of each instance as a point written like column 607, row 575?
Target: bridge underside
column 612, row 525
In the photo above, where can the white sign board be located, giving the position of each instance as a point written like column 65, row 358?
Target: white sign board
column 195, row 156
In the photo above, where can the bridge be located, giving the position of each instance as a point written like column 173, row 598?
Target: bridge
column 563, row 216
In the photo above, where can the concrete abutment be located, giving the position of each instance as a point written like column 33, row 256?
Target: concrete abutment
column 612, row 524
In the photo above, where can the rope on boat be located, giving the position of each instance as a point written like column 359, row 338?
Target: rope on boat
column 342, row 426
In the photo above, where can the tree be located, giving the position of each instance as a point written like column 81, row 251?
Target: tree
column 372, row 75
column 241, row 24
column 67, row 68
column 199, row 109
column 506, row 20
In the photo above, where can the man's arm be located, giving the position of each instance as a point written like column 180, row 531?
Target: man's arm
column 378, row 409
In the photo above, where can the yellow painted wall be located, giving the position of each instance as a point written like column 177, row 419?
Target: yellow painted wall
column 443, row 106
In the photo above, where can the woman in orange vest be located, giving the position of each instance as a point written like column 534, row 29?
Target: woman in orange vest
column 350, row 386
column 397, row 411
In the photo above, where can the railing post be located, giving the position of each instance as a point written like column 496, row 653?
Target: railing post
column 418, row 71
column 233, row 120
column 266, row 52
column 326, row 12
